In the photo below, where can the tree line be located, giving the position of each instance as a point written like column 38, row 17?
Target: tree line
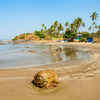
column 69, row 31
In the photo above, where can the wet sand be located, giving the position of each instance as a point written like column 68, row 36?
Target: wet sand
column 79, row 80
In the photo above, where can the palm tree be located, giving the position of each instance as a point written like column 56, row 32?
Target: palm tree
column 44, row 29
column 73, row 28
column 67, row 25
column 43, row 25
column 56, row 23
column 93, row 17
column 50, row 31
column 78, row 22
column 60, row 28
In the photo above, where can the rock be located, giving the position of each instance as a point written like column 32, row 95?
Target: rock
column 46, row 79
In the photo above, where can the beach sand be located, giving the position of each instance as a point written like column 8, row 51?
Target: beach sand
column 79, row 80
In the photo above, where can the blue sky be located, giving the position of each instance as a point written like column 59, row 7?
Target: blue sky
column 17, row 16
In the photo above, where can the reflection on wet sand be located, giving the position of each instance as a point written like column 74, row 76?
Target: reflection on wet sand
column 70, row 52
column 55, row 52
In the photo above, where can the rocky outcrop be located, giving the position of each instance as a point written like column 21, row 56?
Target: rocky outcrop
column 28, row 36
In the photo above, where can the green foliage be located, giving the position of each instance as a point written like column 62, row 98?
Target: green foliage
column 28, row 33
column 78, row 22
column 38, row 33
column 70, row 35
column 90, row 36
column 82, row 39
column 85, row 34
column 93, row 17
column 22, row 37
column 15, row 38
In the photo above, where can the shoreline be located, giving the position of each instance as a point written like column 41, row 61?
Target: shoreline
column 77, row 63
column 78, row 76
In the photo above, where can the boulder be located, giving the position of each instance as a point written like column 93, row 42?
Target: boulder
column 46, row 79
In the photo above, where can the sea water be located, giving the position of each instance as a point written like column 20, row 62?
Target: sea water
column 30, row 55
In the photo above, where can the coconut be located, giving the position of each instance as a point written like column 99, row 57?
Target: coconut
column 46, row 79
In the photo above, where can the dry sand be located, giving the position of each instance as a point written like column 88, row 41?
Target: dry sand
column 80, row 80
